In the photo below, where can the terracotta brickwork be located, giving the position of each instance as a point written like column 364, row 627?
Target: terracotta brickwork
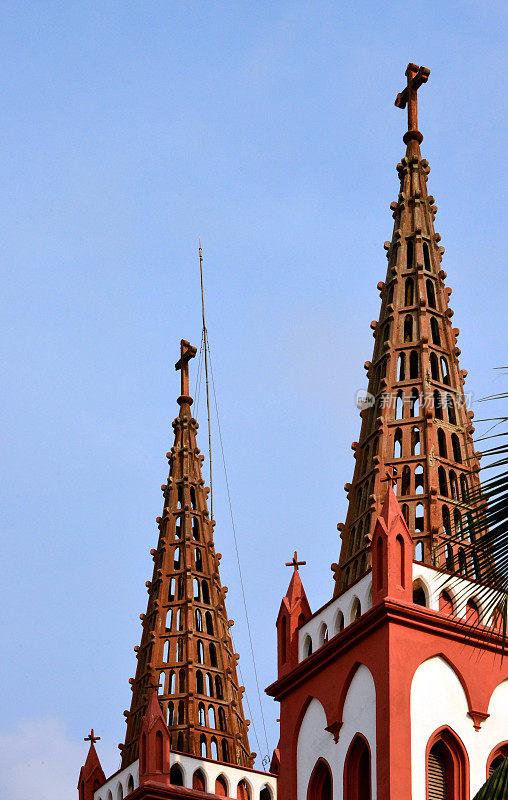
column 186, row 644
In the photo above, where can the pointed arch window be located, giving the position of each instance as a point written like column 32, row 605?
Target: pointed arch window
column 213, row 654
column 457, row 523
column 201, row 715
column 419, row 518
column 457, row 455
column 204, row 751
column 321, row 783
column 397, row 444
column 441, row 442
column 196, row 588
column 410, row 249
column 454, row 486
column 165, row 656
column 179, row 650
column 199, row 682
column 409, row 292
column 221, row 715
column 452, row 417
column 199, row 620
column 162, row 683
column 445, row 603
column 172, row 682
column 195, row 529
column 415, row 441
column 198, row 560
column 211, row 717
column 169, row 614
column 413, row 364
column 356, row 610
column 214, row 749
column 464, row 488
column 209, row 623
column 181, row 713
column 178, row 528
column 426, row 256
column 171, row 594
column 445, row 376
column 179, row 620
column 414, row 403
column 170, row 714
column 402, row 367
column 408, row 328
column 180, row 497
column 209, row 685
column 181, row 681
column 219, row 693
column 431, row 294
column 221, row 788
column 200, row 652
column 357, row 770
column 242, row 791
column 181, row 587
column 446, row 521
column 205, row 591
column 406, row 480
column 419, row 551
column 399, row 405
column 193, row 497
column 405, row 513
column 434, row 330
column 198, row 781
column 450, row 560
column 176, row 558
column 225, row 753
column 446, row 768
column 419, row 479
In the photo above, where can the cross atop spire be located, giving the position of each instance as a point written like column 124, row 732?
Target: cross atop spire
column 187, row 351
column 408, row 97
column 391, row 476
column 92, row 738
column 295, row 563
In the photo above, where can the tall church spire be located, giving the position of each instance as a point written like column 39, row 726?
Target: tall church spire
column 416, row 419
column 186, row 645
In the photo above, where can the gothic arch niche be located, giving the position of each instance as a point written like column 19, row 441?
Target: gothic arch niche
column 496, row 757
column 199, row 781
column 447, row 767
column 357, row 770
column 321, row 783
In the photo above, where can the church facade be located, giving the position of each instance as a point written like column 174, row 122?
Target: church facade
column 396, row 688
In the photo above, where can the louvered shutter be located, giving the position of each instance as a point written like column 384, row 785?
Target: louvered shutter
column 437, row 777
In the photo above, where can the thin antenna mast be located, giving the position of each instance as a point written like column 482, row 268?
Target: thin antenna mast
column 205, row 344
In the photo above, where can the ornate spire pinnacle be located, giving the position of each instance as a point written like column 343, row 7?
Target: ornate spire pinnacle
column 416, row 420
column 91, row 776
column 186, row 645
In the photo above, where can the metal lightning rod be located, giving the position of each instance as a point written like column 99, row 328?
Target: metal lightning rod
column 205, row 343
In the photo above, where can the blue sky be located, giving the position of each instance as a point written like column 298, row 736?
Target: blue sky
column 127, row 130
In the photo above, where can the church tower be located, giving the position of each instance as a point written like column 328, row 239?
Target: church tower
column 186, row 731
column 396, row 689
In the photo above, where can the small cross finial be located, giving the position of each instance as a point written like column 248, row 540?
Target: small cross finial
column 92, row 738
column 391, row 476
column 187, row 351
column 295, row 563
column 154, row 684
column 408, row 97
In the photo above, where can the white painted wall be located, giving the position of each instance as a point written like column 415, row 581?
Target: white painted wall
column 255, row 779
column 315, row 742
column 437, row 698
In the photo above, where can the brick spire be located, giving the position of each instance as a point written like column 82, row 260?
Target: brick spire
column 419, row 423
column 185, row 644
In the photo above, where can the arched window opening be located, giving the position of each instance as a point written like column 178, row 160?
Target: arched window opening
column 179, row 650
column 180, row 497
column 443, row 487
column 209, row 623
column 165, row 656
column 445, row 377
column 414, row 403
column 415, row 441
column 171, row 593
column 464, row 488
column 471, row 526
column 214, row 749
column 176, row 775
column 419, row 596
column 159, row 755
column 195, row 529
column 176, row 558
column 454, row 486
column 397, row 444
column 419, row 479
column 389, row 295
column 497, row 758
column 209, row 685
column 446, row 521
column 162, row 683
column 221, row 788
column 181, row 681
column 457, row 523
column 178, row 528
column 413, row 364
column 402, row 367
column 476, row 567
column 410, row 249
column 181, row 713
column 434, row 330
column 434, row 368
column 181, row 587
column 366, row 458
column 441, row 443
column 225, row 750
column 198, row 560
column 472, row 613
column 408, row 328
column 339, row 622
column 323, row 634
column 193, row 497
column 170, row 714
column 457, row 455
column 386, row 332
column 172, row 682
column 320, row 784
column 356, row 610
column 265, row 793
column 219, row 692
column 419, row 518
column 307, row 647
column 426, row 256
column 419, row 551
column 201, row 652
column 179, row 620
column 431, row 295
column 130, row 784
column 179, row 742
column 405, row 513
column 357, row 771
column 399, row 405
column 199, row 620
column 409, row 292
column 205, row 592
column 445, row 603
column 213, row 654
column 446, row 769
column 221, row 714
column 198, row 781
column 196, row 589
column 211, row 717
column 452, row 417
column 450, row 561
column 199, row 682
column 204, row 749
column 406, row 480
column 242, row 791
